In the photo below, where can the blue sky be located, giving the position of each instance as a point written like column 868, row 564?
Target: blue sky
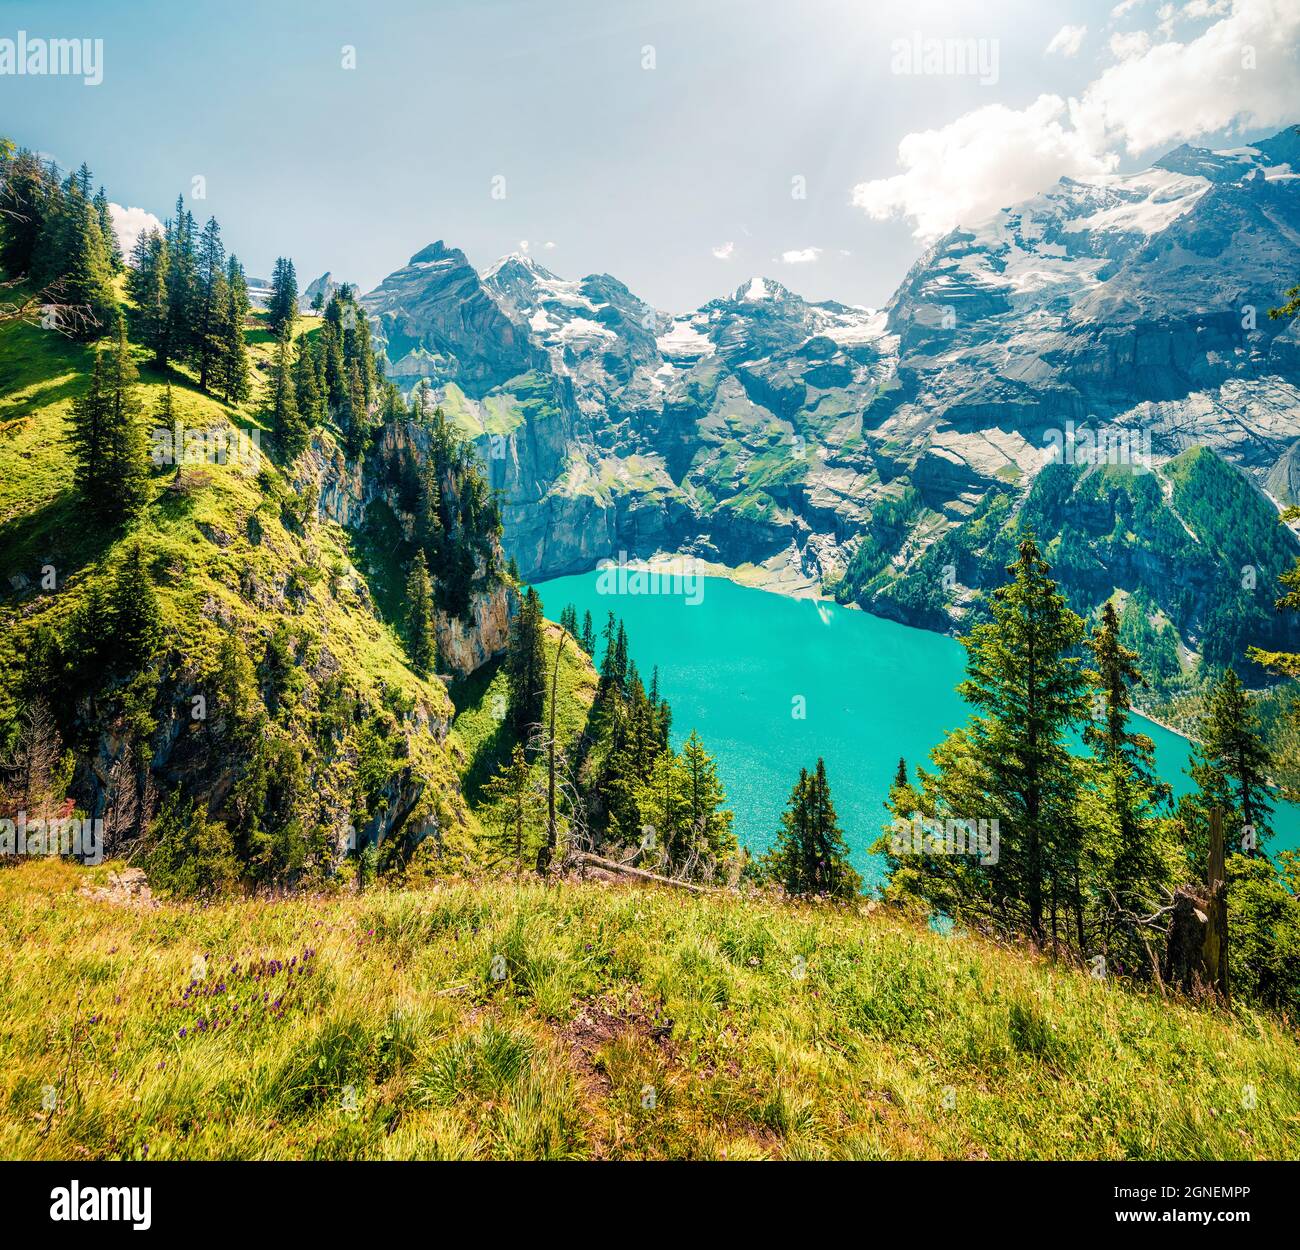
column 677, row 179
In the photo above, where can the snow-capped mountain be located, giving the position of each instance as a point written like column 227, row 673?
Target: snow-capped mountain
column 765, row 428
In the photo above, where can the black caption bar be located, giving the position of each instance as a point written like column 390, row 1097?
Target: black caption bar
column 170, row 1199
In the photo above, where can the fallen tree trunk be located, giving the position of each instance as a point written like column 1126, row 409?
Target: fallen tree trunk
column 641, row 874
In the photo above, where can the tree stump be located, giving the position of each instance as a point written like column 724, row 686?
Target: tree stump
column 1185, row 967
column 1196, row 954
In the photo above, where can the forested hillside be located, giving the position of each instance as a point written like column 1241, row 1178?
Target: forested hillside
column 201, row 648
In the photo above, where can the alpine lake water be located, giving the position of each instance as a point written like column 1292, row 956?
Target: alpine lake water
column 739, row 665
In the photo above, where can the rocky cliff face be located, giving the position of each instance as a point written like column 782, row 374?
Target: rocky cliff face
column 344, row 493
column 767, row 429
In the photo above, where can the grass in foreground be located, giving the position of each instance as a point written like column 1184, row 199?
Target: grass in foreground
column 494, row 1020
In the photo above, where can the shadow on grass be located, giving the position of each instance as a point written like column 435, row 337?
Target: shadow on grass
column 382, row 554
column 61, row 532
column 492, row 751
column 15, row 409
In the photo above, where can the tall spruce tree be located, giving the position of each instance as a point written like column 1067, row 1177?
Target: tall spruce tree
column 287, row 425
column 181, row 280
column 1026, row 685
column 708, row 821
column 1010, row 765
column 1230, row 767
column 311, row 403
column 526, row 669
column 106, row 431
column 282, row 308
column 112, row 249
column 420, row 630
column 210, row 296
column 1130, row 847
column 232, row 353
column 146, row 286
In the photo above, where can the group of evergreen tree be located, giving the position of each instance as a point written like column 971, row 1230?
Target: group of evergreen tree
column 584, row 634
column 190, row 302
column 640, row 790
column 56, row 233
column 330, row 374
column 1082, row 843
column 811, row 856
column 457, row 513
column 1089, row 847
column 633, row 788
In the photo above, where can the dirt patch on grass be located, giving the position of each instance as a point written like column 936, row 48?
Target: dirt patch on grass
column 601, row 1021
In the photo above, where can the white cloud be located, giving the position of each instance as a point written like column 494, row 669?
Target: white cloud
column 981, row 162
column 803, row 256
column 130, row 223
column 1129, row 43
column 1239, row 73
column 548, row 245
column 1125, row 6
column 523, row 246
column 724, row 250
column 1067, row 41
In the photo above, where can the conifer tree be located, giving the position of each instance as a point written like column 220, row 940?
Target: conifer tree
column 708, row 821
column 210, row 296
column 1132, row 852
column 112, row 249
column 287, row 426
column 429, row 531
column 518, row 812
column 420, row 617
column 311, row 403
column 181, row 278
column 232, row 352
column 109, row 446
column 134, row 610
column 146, row 285
column 587, row 639
column 354, row 417
column 1230, row 768
column 88, row 433
column 166, row 418
column 336, row 374
column 1026, row 686
column 526, row 668
column 282, row 309
column 810, row 856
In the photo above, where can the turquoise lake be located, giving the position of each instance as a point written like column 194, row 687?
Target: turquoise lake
column 734, row 664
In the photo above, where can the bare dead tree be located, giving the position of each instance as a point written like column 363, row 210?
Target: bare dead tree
column 47, row 308
column 30, row 770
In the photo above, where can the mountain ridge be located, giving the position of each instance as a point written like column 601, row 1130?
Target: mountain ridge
column 765, row 429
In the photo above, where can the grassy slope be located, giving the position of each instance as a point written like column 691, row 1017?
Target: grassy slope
column 211, row 573
column 896, row 1042
column 479, row 740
